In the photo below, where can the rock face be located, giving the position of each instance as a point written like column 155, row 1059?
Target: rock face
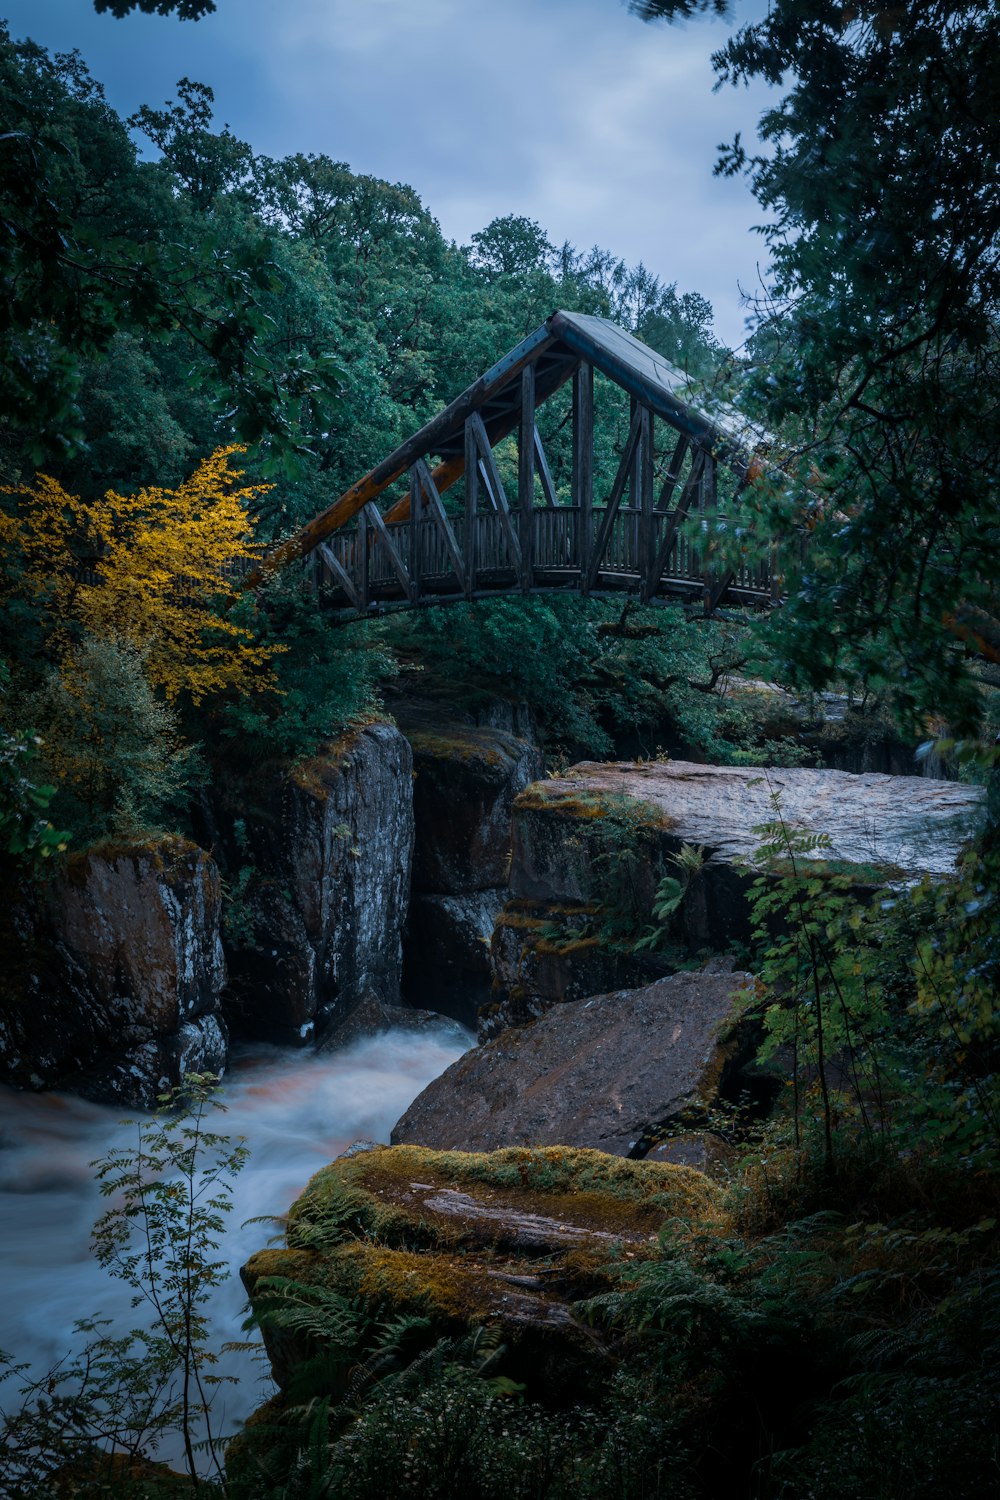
column 887, row 827
column 838, row 733
column 468, row 770
column 466, row 779
column 327, row 849
column 515, row 1240
column 544, row 954
column 448, row 950
column 123, row 971
column 605, row 1073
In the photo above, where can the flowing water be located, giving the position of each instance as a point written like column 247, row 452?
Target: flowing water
column 297, row 1110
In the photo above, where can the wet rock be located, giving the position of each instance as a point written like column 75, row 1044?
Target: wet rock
column 608, row 1073
column 448, row 951
column 544, row 954
column 516, row 1240
column 118, row 993
column 326, row 849
column 701, row 1149
column 465, row 780
column 371, row 1015
column 888, row 828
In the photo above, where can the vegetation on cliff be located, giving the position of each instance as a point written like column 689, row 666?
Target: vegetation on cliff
column 830, row 1326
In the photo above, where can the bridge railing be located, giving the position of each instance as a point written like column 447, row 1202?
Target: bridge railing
column 377, row 563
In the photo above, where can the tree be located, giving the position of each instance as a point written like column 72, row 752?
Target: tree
column 94, row 242
column 146, row 569
column 187, row 10
column 877, row 352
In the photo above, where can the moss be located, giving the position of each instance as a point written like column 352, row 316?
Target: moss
column 371, row 1195
column 167, row 853
column 635, row 813
column 520, row 916
column 541, row 796
column 465, row 745
column 314, row 775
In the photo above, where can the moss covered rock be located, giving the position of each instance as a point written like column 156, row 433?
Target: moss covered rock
column 516, row 1240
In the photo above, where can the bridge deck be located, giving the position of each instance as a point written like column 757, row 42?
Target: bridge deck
column 370, row 565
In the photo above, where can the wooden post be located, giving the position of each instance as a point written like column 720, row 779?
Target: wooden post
column 583, row 464
column 709, row 509
column 416, row 527
column 544, row 472
column 363, row 558
column 633, row 473
column 687, row 496
column 626, row 466
column 647, row 533
column 471, row 508
column 526, row 477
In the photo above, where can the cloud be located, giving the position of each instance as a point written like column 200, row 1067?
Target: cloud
column 569, row 111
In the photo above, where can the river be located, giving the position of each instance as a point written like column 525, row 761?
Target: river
column 297, row 1110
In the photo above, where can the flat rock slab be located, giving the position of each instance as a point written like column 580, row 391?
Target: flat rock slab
column 599, row 1073
column 910, row 825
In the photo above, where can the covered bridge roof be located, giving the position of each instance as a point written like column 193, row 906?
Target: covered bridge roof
column 555, row 349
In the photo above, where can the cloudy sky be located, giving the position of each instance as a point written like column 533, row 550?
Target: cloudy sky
column 569, row 111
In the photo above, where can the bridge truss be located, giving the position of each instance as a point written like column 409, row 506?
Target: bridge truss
column 633, row 540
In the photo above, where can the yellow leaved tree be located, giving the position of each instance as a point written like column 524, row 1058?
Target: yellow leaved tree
column 154, row 570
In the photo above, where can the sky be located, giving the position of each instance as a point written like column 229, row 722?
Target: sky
column 571, row 112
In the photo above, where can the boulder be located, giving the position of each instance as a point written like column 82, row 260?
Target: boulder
column 516, row 1240
column 447, row 951
column 118, row 993
column 608, row 1073
column 320, row 855
column 887, row 828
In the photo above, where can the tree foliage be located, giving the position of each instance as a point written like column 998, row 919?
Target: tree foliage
column 877, row 349
column 186, row 10
column 147, row 569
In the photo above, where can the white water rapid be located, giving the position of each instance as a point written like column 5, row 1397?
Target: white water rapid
column 297, row 1110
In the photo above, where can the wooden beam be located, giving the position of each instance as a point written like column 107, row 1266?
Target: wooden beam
column 644, row 477
column 339, row 573
column 614, row 501
column 496, row 486
column 673, row 472
column 440, row 517
column 633, row 478
column 444, row 477
column 397, row 463
column 583, row 461
column 415, row 528
column 688, row 493
column 471, row 509
column 544, row 472
column 526, row 476
column 363, row 558
column 398, row 565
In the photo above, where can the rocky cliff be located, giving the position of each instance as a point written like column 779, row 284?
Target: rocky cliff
column 581, row 840
column 115, row 992
column 327, row 850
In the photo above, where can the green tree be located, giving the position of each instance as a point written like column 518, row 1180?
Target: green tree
column 877, row 354
column 187, row 10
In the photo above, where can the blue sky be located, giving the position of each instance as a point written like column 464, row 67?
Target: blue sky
column 569, row 111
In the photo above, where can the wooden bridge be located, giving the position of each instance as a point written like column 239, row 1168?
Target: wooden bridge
column 634, row 540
